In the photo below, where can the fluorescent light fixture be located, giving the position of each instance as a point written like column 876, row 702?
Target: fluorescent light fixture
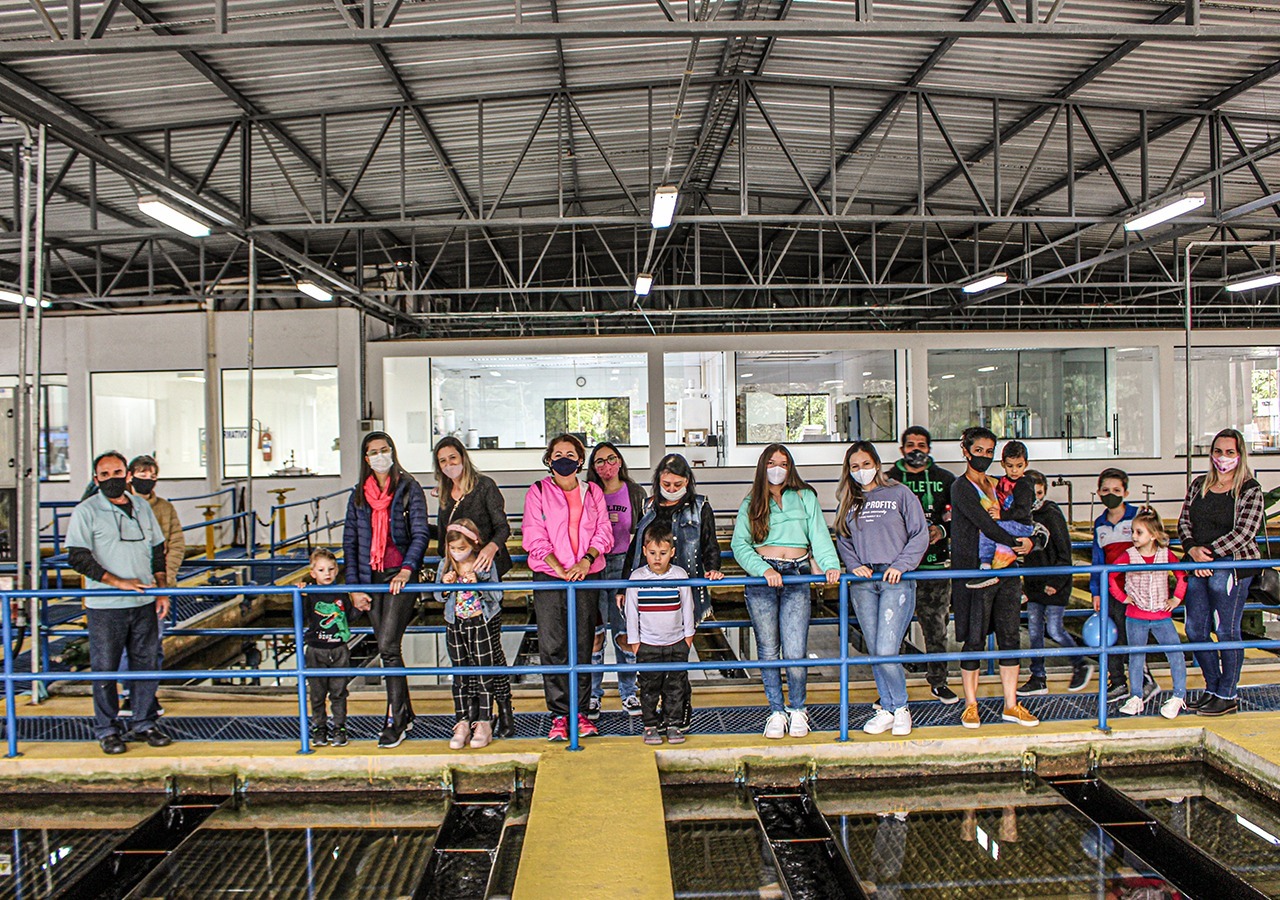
column 987, row 368
column 173, row 217
column 496, row 374
column 945, row 377
column 15, row 298
column 644, row 281
column 746, row 375
column 664, row 206
column 313, row 290
column 1259, row 281
column 197, row 377
column 1170, row 210
column 995, row 279
column 314, row 374
column 865, row 374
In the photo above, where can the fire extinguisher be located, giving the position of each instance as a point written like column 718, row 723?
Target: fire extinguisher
column 264, row 444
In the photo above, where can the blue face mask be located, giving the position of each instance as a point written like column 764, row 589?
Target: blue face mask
column 564, row 466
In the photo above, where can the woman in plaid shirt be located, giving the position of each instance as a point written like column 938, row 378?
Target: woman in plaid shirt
column 1220, row 520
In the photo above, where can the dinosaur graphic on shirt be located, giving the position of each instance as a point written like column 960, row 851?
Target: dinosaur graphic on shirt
column 332, row 617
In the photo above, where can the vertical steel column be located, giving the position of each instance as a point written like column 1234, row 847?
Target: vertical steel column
column 20, row 405
column 212, row 411
column 300, row 667
column 10, row 712
column 572, row 594
column 34, row 407
column 1186, row 362
column 250, row 544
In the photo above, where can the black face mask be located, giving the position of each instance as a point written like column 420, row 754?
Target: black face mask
column 1111, row 501
column 144, row 486
column 916, row 459
column 564, row 466
column 980, row 463
column 112, row 488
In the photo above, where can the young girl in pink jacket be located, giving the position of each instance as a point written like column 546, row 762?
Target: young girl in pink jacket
column 566, row 532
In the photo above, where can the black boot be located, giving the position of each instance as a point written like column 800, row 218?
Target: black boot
column 504, row 724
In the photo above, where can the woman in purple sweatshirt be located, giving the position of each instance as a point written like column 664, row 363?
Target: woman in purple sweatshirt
column 881, row 533
column 566, row 532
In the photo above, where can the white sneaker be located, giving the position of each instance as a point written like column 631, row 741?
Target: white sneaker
column 1132, row 706
column 799, row 720
column 1171, row 707
column 881, row 722
column 775, row 726
column 901, row 721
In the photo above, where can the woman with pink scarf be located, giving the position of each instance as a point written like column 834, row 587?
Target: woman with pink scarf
column 385, row 537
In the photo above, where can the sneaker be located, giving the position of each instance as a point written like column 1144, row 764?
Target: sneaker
column 631, row 705
column 1116, row 690
column 593, row 709
column 1020, row 715
column 1080, row 678
column 1034, row 687
column 1132, row 706
column 970, row 718
column 391, row 736
column 1149, row 687
column 881, row 722
column 559, row 729
column 652, row 735
column 775, row 727
column 586, row 728
column 319, row 736
column 944, row 694
column 1216, row 706
column 798, row 722
column 901, row 721
column 982, row 583
column 1171, row 707
column 339, row 737
column 686, row 718
column 675, row 736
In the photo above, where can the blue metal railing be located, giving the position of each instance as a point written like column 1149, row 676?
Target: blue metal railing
column 573, row 667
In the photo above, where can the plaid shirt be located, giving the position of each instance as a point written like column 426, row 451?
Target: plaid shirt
column 1241, row 541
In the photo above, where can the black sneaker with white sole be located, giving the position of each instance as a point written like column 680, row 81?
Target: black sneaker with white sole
column 1117, row 691
column 593, row 709
column 1080, row 678
column 1149, row 688
column 1034, row 687
column 944, row 694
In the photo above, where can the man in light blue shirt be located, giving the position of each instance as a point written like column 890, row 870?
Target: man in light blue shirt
column 115, row 542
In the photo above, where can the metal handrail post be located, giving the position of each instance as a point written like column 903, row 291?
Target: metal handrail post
column 1104, row 616
column 300, row 666
column 10, row 710
column 572, row 594
column 843, row 595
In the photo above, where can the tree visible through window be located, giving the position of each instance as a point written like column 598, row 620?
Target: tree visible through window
column 594, row 419
column 806, row 410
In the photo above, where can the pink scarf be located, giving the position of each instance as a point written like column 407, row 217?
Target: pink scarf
column 379, row 501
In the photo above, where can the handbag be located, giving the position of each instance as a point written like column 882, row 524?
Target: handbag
column 1265, row 588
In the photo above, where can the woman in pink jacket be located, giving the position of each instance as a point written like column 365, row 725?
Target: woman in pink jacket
column 566, row 532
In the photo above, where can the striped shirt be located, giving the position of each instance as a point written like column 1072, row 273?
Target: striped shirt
column 658, row 614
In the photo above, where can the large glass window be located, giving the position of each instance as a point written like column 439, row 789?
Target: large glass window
column 54, row 439
column 158, row 413
column 815, row 395
column 406, row 408
column 1091, row 402
column 295, row 422
column 1231, row 387
column 694, row 406
column 518, row 402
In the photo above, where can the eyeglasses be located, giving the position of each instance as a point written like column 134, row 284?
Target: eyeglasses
column 128, row 528
column 607, row 461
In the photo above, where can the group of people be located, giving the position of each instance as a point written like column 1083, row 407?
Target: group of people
column 891, row 520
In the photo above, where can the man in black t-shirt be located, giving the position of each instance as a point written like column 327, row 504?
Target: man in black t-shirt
column 932, row 485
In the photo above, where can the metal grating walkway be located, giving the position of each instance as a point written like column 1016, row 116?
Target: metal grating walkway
column 712, row 720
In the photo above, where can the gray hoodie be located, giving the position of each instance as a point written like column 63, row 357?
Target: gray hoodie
column 890, row 530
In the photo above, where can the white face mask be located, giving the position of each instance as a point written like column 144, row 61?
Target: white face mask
column 776, row 474
column 453, row 473
column 381, row 463
column 864, row 477
column 673, row 496
column 459, row 555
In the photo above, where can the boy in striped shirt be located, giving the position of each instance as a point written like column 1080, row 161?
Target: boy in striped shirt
column 660, row 625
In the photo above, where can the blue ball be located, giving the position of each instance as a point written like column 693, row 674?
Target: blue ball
column 1091, row 634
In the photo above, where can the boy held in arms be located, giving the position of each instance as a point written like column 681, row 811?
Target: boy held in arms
column 327, row 636
column 1011, row 506
column 660, row 626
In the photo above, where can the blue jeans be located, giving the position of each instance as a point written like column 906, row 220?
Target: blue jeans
column 111, row 632
column 884, row 613
column 1043, row 619
column 1205, row 599
column 1136, row 631
column 780, row 619
column 612, row 619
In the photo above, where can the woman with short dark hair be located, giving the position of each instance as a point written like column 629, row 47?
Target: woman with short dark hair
column 383, row 542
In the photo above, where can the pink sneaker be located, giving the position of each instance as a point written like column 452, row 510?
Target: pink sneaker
column 586, row 728
column 559, row 729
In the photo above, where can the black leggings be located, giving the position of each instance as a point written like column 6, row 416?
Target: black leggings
column 390, row 616
column 993, row 609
